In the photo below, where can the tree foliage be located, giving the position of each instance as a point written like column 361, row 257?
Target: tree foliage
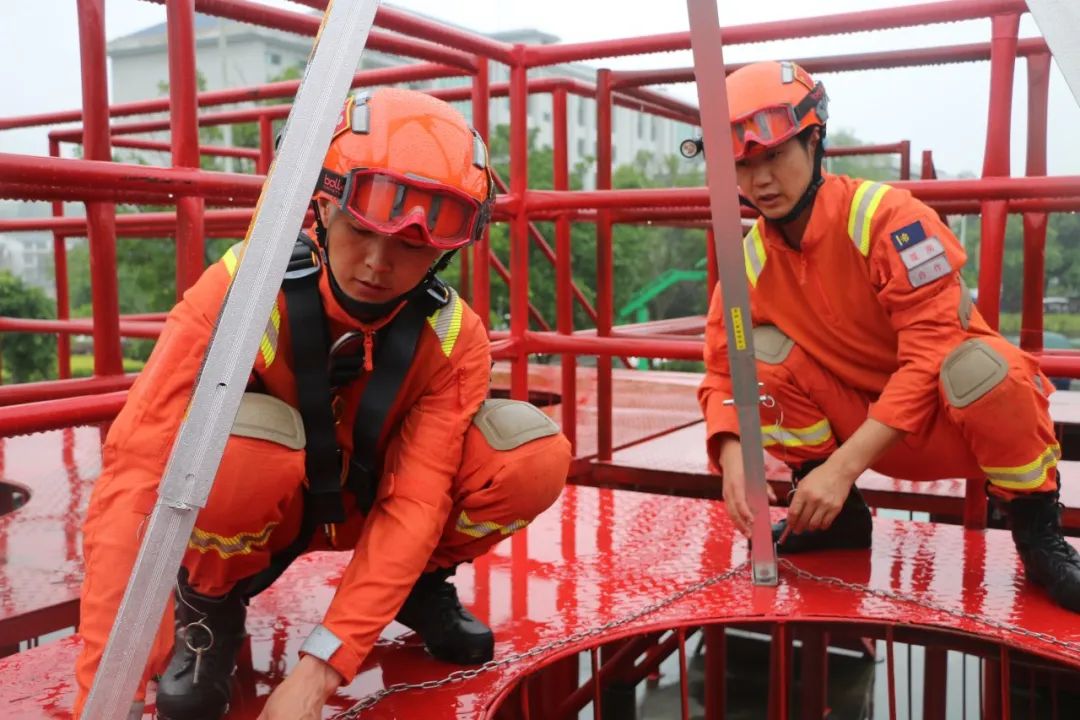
column 26, row 356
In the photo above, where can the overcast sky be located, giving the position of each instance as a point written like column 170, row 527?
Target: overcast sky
column 943, row 109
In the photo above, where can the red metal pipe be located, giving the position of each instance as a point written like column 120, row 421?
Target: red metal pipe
column 605, row 272
column 928, row 172
column 519, row 231
column 56, row 389
column 996, row 163
column 1035, row 224
column 159, row 223
column 434, row 31
column 879, row 60
column 265, row 156
column 715, row 671
column 56, row 414
column 480, row 96
column 993, row 188
column 684, row 680
column 81, row 177
column 60, row 275
column 305, row 24
column 905, row 160
column 504, row 273
column 858, row 150
column 214, row 150
column 686, row 111
column 283, row 89
column 183, row 112
column 100, row 215
column 838, row 24
column 564, row 278
column 712, row 271
column 1005, row 30
column 77, row 327
column 641, row 346
column 542, row 243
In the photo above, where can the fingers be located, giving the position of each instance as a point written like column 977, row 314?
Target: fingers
column 771, row 492
column 810, row 514
column 737, row 508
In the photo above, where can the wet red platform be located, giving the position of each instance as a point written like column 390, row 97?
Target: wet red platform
column 599, row 555
column 675, row 462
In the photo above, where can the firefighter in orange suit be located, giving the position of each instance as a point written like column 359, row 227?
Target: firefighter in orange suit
column 867, row 340
column 405, row 182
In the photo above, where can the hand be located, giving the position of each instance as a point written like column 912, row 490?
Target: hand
column 303, row 693
column 819, row 497
column 738, row 508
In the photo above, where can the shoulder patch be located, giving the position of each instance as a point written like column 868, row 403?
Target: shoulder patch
column 908, row 235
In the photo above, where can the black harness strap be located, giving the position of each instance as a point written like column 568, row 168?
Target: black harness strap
column 393, row 357
column 310, row 342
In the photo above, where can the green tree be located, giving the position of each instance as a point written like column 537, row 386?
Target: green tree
column 868, row 167
column 26, row 356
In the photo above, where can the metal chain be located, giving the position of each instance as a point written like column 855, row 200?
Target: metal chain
column 929, row 605
column 370, row 701
column 462, row 675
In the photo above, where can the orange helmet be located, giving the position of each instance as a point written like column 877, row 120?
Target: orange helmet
column 772, row 102
column 402, row 159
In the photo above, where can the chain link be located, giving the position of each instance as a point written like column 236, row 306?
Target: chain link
column 928, row 605
column 580, row 636
column 370, row 701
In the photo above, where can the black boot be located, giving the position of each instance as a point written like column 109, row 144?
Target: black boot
column 209, row 632
column 450, row 632
column 852, row 529
column 1048, row 560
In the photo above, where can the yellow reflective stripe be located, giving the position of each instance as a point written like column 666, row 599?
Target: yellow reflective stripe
column 861, row 216
column 268, row 344
column 446, row 322
column 1025, row 477
column 816, row 434
column 754, row 254
column 483, row 529
column 229, row 545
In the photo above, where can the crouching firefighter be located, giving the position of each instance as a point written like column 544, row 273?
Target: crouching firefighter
column 365, row 429
column 869, row 346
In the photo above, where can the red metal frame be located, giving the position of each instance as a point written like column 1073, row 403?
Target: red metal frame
column 445, row 52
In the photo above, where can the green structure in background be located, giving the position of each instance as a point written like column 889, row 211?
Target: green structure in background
column 638, row 306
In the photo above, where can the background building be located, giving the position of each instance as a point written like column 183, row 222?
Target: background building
column 232, row 54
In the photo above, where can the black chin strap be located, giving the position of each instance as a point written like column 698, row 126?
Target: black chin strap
column 807, row 198
column 365, row 311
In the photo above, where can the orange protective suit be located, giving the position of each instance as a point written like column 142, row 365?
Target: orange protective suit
column 445, row 495
column 870, row 318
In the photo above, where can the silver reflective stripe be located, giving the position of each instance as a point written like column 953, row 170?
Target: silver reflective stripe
column 321, row 643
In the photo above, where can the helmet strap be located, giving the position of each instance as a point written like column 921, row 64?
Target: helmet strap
column 810, row 193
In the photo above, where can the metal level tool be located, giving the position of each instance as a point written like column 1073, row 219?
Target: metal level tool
column 200, row 441
column 706, row 44
column 1059, row 22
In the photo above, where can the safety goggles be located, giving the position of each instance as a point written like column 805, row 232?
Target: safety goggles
column 775, row 124
column 386, row 202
